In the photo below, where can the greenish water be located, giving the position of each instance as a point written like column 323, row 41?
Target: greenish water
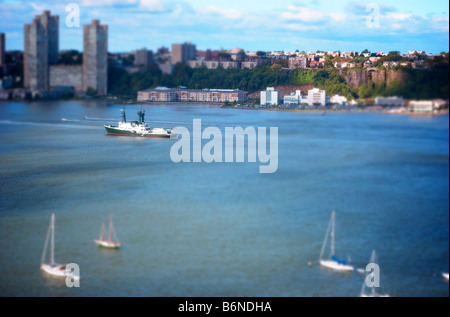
column 222, row 229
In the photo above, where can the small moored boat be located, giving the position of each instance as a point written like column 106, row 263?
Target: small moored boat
column 445, row 276
column 332, row 262
column 52, row 268
column 109, row 243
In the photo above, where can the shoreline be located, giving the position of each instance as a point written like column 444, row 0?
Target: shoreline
column 323, row 111
column 221, row 105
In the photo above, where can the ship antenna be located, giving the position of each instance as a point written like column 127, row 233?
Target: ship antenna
column 124, row 118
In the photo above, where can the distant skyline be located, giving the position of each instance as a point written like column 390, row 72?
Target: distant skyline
column 307, row 25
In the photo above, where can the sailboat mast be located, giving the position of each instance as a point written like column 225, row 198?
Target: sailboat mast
column 110, row 227
column 332, row 234
column 44, row 253
column 52, row 241
column 325, row 240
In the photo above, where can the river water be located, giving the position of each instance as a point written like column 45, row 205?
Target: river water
column 222, row 229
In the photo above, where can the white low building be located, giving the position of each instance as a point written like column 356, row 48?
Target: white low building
column 338, row 100
column 315, row 97
column 270, row 96
column 426, row 106
column 294, row 98
column 389, row 101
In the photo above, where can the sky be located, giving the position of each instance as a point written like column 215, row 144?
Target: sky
column 275, row 25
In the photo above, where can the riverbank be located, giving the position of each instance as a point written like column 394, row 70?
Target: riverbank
column 352, row 110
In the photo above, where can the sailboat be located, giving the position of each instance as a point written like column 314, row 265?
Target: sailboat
column 53, row 268
column 445, row 276
column 373, row 292
column 332, row 262
column 102, row 242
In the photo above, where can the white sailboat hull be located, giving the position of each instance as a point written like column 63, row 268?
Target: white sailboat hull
column 58, row 270
column 333, row 265
column 445, row 275
column 376, row 295
column 107, row 244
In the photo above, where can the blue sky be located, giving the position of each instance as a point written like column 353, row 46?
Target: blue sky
column 308, row 25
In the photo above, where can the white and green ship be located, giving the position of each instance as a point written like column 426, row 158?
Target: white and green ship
column 137, row 128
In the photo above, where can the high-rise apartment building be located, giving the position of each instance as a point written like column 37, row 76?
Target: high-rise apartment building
column 143, row 57
column 2, row 54
column 95, row 57
column 181, row 53
column 41, row 45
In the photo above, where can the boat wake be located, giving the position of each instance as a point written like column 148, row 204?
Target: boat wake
column 48, row 124
column 98, row 119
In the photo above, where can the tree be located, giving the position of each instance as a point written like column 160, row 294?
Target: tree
column 275, row 67
column 260, row 53
column 365, row 51
column 363, row 91
column 91, row 92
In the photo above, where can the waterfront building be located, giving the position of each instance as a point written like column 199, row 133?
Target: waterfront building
column 316, row 97
column 270, row 96
column 95, row 57
column 294, row 98
column 183, row 94
column 338, row 100
column 426, row 106
column 389, row 101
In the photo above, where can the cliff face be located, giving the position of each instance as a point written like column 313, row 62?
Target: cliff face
column 393, row 75
column 380, row 77
column 355, row 77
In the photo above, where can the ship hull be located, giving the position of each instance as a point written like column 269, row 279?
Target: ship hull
column 108, row 244
column 114, row 131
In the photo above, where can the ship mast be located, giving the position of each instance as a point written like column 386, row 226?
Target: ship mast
column 141, row 115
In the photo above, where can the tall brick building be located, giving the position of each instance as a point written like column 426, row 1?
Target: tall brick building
column 2, row 54
column 181, row 53
column 41, row 45
column 95, row 57
column 41, row 53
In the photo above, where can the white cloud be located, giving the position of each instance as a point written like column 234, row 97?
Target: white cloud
column 152, row 5
column 230, row 14
column 302, row 14
column 339, row 17
column 399, row 16
column 301, row 27
column 101, row 3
